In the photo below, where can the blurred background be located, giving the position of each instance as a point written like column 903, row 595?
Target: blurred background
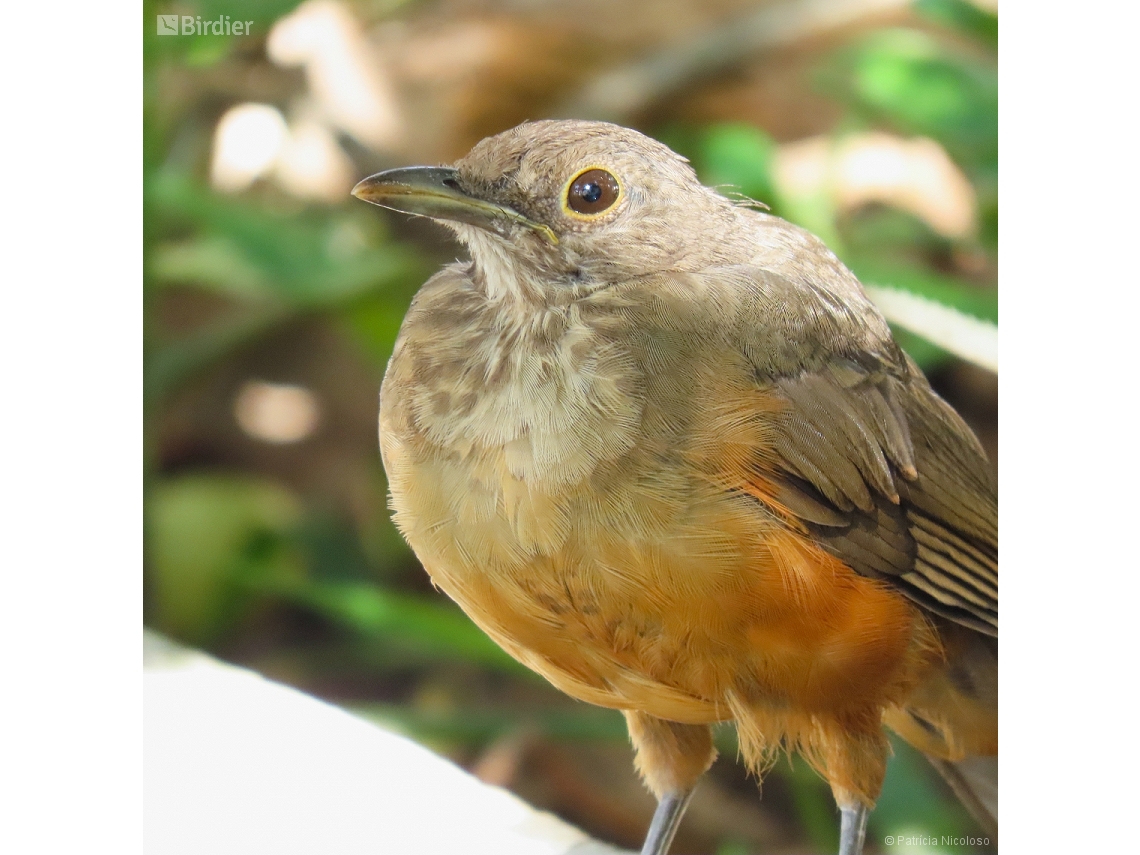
column 272, row 300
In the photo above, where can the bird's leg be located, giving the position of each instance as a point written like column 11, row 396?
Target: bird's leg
column 670, row 757
column 852, row 828
column 666, row 819
column 856, row 758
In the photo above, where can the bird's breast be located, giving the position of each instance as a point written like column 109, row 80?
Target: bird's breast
column 489, row 431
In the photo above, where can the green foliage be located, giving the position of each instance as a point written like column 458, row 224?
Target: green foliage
column 969, row 19
column 414, row 623
column 916, row 83
column 220, row 543
column 814, row 803
column 275, row 265
column 309, row 259
column 735, row 158
column 915, row 801
column 212, row 539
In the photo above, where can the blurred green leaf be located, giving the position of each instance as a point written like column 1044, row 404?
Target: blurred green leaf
column 306, row 257
column 949, row 290
column 215, row 263
column 926, row 354
column 278, row 264
column 375, row 323
column 209, row 536
column 333, row 548
column 910, row 80
column 739, row 156
column 883, row 230
column 170, row 367
column 207, row 49
column 914, row 800
column 988, row 217
column 815, row 805
column 731, row 156
column 733, row 847
column 381, row 614
column 963, row 16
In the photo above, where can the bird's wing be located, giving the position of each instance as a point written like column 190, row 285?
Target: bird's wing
column 888, row 478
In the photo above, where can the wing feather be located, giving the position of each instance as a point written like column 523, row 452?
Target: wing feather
column 889, row 479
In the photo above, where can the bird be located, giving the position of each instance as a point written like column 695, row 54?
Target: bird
column 662, row 448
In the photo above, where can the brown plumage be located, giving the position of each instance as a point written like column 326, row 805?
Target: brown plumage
column 666, row 453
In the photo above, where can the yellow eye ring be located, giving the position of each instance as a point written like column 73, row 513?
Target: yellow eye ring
column 591, row 192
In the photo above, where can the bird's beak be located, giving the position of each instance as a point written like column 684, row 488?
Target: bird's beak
column 433, row 191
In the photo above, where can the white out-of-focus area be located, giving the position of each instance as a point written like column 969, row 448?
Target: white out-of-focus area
column 235, row 763
column 969, row 338
column 254, row 141
column 346, row 79
column 313, row 165
column 247, row 143
column 278, row 413
column 915, row 175
column 348, row 91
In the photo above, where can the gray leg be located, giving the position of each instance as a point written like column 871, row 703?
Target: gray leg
column 852, row 829
column 665, row 821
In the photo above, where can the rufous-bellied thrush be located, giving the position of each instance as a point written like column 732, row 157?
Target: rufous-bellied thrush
column 662, row 448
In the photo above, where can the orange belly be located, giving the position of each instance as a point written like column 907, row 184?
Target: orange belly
column 674, row 628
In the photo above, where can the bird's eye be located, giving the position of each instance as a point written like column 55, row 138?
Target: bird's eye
column 592, row 192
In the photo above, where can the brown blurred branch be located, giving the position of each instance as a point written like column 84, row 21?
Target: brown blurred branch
column 624, row 91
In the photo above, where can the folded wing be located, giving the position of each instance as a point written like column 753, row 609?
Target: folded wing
column 888, row 478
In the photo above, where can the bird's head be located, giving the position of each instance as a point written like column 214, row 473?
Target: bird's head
column 569, row 205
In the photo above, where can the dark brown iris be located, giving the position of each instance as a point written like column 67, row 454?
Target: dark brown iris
column 592, row 192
